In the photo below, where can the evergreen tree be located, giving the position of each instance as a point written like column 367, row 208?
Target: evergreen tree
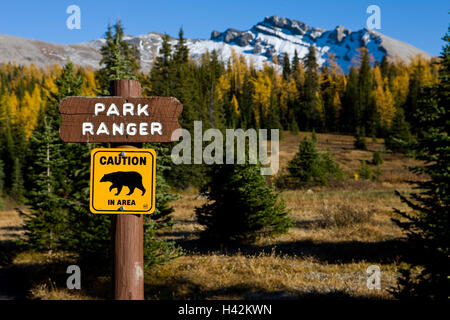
column 376, row 158
column 8, row 154
column 48, row 181
column 17, row 189
column 350, row 115
column 314, row 137
column 366, row 112
column 385, row 66
column 158, row 251
column 327, row 92
column 309, row 167
column 286, row 67
column 360, row 141
column 240, row 208
column 46, row 225
column 415, row 90
column 311, row 104
column 182, row 80
column 399, row 135
column 162, row 71
column 294, row 126
column 295, row 61
column 68, row 83
column 364, row 170
column 426, row 275
column 120, row 60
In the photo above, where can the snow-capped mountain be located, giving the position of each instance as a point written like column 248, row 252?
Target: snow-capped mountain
column 272, row 37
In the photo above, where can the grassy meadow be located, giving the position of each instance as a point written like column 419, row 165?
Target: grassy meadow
column 339, row 231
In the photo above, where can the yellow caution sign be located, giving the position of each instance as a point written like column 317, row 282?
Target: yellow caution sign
column 122, row 181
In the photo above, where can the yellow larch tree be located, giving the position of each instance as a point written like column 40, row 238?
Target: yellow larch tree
column 400, row 83
column 10, row 107
column 262, row 91
column 89, row 83
column 383, row 98
column 29, row 111
column 235, row 105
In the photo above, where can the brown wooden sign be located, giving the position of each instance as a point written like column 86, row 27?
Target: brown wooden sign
column 119, row 119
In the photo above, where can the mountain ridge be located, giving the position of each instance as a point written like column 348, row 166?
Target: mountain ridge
column 272, row 37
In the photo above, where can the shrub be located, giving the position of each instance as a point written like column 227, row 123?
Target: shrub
column 294, row 127
column 364, row 170
column 309, row 167
column 360, row 141
column 344, row 215
column 377, row 159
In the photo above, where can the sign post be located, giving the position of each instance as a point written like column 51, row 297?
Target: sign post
column 125, row 120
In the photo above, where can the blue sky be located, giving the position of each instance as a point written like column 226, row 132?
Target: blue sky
column 420, row 23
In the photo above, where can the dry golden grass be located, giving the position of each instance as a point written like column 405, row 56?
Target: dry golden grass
column 310, row 261
column 317, row 258
column 44, row 291
column 10, row 222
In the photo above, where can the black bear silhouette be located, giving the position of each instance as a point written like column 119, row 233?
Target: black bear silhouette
column 130, row 179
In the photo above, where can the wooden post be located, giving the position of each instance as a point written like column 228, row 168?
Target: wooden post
column 128, row 229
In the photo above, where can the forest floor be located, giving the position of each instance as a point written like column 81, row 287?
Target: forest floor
column 339, row 232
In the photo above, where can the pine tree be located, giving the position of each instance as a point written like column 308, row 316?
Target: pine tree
column 294, row 126
column 295, row 61
column 426, row 275
column 68, row 83
column 360, row 141
column 89, row 234
column 415, row 89
column 286, row 67
column 182, row 82
column 399, row 137
column 376, row 158
column 161, row 76
column 364, row 170
column 366, row 115
column 120, row 60
column 309, row 167
column 311, row 104
column 158, row 251
column 48, row 226
column 351, row 115
column 385, row 66
column 240, row 208
column 8, row 154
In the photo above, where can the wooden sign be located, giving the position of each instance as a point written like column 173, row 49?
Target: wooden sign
column 119, row 119
column 122, row 181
